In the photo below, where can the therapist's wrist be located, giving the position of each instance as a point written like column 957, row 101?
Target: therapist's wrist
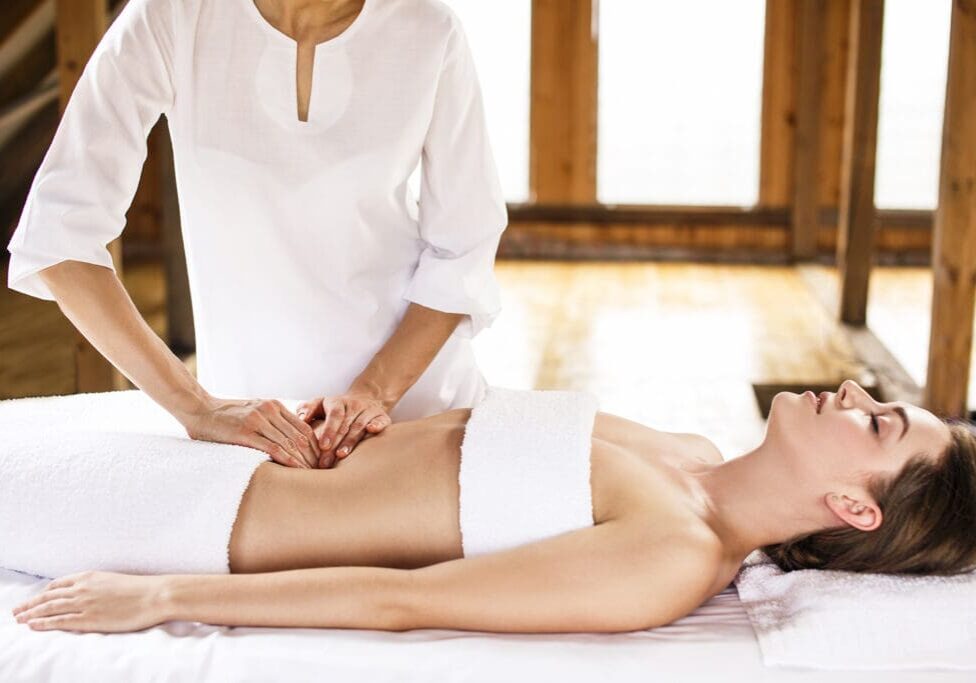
column 376, row 391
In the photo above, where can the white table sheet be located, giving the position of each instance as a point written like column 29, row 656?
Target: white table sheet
column 714, row 643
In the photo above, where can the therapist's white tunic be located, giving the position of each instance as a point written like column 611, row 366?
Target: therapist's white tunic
column 304, row 244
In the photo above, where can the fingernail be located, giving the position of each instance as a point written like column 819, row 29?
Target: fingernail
column 326, row 443
column 344, row 450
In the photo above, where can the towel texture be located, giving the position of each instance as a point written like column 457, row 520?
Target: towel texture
column 111, row 481
column 525, row 467
column 850, row 620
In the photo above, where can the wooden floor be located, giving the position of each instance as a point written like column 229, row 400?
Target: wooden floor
column 676, row 346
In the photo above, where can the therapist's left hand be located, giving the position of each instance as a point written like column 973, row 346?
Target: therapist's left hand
column 349, row 418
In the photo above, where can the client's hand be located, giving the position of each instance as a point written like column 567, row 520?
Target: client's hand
column 94, row 601
column 262, row 424
column 348, row 419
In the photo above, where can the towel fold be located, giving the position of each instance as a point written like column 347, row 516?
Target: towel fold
column 111, row 481
column 850, row 620
column 525, row 467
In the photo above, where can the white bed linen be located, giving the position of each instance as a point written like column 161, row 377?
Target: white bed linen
column 714, row 643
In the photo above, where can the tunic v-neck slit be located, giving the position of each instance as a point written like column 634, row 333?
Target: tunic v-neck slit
column 303, row 100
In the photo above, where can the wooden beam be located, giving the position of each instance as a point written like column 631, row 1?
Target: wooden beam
column 954, row 239
column 80, row 25
column 855, row 232
column 562, row 121
column 806, row 142
column 836, row 44
column 778, row 105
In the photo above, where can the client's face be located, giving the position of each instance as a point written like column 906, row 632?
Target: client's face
column 845, row 436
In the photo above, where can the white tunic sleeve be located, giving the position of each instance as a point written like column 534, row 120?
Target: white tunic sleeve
column 84, row 186
column 461, row 208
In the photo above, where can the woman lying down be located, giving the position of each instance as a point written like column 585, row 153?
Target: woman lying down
column 531, row 512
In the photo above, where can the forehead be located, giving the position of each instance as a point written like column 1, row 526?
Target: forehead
column 927, row 431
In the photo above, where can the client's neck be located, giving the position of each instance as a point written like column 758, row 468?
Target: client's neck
column 755, row 500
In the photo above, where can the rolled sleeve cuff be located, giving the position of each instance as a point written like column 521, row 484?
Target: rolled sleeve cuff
column 457, row 285
column 25, row 266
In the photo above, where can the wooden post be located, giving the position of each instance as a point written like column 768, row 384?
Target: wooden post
column 778, row 105
column 806, row 154
column 562, row 122
column 855, row 230
column 80, row 25
column 954, row 239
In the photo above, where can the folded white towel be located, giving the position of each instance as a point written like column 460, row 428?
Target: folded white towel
column 850, row 620
column 525, row 467
column 111, row 481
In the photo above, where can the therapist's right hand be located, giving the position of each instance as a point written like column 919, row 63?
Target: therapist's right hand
column 264, row 424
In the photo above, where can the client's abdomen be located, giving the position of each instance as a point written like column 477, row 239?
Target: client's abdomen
column 392, row 503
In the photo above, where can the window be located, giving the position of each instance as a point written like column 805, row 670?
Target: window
column 499, row 34
column 914, row 60
column 680, row 100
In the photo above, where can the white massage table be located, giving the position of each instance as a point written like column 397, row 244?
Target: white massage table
column 714, row 643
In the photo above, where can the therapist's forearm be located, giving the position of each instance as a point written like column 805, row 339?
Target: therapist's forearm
column 405, row 356
column 93, row 298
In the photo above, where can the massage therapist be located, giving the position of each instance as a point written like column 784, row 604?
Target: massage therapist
column 315, row 274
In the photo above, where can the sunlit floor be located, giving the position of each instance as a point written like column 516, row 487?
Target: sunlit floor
column 676, row 346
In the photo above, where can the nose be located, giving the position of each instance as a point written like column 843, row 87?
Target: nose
column 850, row 392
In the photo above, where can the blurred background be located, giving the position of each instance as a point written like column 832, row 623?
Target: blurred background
column 710, row 201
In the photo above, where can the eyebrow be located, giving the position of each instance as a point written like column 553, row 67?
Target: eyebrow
column 904, row 418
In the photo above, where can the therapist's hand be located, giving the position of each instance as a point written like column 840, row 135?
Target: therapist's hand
column 348, row 419
column 264, row 424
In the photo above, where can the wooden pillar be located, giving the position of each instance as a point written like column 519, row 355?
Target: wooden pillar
column 806, row 142
column 80, row 25
column 778, row 105
column 954, row 238
column 855, row 230
column 562, row 122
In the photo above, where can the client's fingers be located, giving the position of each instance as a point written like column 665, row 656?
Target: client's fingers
column 49, row 608
column 40, row 598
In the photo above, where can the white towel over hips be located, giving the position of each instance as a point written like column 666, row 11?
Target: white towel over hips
column 110, row 481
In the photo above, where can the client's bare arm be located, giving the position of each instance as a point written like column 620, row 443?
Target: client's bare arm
column 599, row 578
column 93, row 298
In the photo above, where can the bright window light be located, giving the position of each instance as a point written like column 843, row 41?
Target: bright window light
column 914, row 58
column 499, row 33
column 680, row 101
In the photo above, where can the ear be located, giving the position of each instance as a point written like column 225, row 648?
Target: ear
column 864, row 515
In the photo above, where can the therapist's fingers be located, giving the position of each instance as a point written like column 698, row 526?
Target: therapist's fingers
column 299, row 432
column 335, row 413
column 311, row 410
column 276, row 450
column 355, row 432
column 293, row 439
column 273, row 427
column 378, row 423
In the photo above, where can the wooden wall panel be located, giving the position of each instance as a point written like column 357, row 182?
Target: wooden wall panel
column 778, row 105
column 80, row 25
column 562, row 121
column 810, row 60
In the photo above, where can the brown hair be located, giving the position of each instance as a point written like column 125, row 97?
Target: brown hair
column 928, row 520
